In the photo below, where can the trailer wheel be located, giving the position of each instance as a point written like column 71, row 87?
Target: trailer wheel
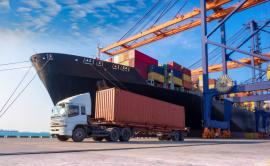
column 125, row 134
column 98, row 139
column 114, row 134
column 164, row 138
column 78, row 134
column 177, row 136
column 62, row 137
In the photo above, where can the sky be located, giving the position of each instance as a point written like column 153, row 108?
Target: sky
column 77, row 27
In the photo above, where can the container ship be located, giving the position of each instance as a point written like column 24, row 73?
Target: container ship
column 65, row 75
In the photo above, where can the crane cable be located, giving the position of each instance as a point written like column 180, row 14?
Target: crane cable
column 170, row 4
column 12, row 63
column 15, row 68
column 181, row 8
column 19, row 84
column 21, row 92
column 233, row 37
column 145, row 25
column 162, row 12
column 140, row 20
column 231, row 41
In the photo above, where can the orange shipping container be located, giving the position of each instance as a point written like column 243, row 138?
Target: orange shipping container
column 121, row 106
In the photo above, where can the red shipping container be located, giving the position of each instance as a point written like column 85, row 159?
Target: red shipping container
column 140, row 66
column 142, row 57
column 186, row 71
column 109, row 60
column 119, row 106
column 175, row 66
column 187, row 85
column 212, row 81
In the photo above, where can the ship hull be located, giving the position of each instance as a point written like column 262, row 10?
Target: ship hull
column 68, row 75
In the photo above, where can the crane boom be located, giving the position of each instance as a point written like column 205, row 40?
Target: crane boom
column 230, row 65
column 167, row 29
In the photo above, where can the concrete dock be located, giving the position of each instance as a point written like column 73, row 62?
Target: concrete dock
column 191, row 152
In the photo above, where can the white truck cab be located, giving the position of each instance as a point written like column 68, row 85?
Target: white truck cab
column 68, row 114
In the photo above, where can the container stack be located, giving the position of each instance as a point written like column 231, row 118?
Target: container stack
column 187, row 83
column 156, row 73
column 179, row 75
column 211, row 82
column 175, row 74
column 268, row 72
column 137, row 60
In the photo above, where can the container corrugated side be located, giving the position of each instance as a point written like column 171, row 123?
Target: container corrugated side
column 125, row 107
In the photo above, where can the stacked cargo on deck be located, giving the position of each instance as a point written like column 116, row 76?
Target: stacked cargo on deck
column 187, row 83
column 249, row 106
column 268, row 72
column 175, row 74
column 137, row 60
column 211, row 82
column 179, row 75
column 158, row 75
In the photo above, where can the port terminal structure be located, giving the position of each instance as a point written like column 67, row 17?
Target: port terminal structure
column 208, row 94
column 256, row 58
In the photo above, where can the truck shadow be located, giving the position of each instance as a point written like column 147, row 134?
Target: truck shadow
column 164, row 144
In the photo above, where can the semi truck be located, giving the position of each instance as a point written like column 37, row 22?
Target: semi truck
column 119, row 115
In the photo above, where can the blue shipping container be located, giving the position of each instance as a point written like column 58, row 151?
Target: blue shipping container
column 156, row 69
column 176, row 73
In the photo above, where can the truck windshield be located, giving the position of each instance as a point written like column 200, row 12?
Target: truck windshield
column 59, row 110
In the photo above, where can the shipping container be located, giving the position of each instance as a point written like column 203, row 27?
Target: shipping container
column 268, row 72
column 119, row 106
column 156, row 69
column 177, row 81
column 187, row 85
column 135, row 54
column 175, row 66
column 140, row 66
column 156, row 77
column 176, row 73
column 186, row 71
column 109, row 60
column 186, row 77
column 212, row 81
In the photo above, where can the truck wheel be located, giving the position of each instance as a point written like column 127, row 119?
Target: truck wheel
column 177, row 136
column 98, row 139
column 62, row 137
column 78, row 135
column 125, row 134
column 114, row 134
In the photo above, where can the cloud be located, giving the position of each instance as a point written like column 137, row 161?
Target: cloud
column 41, row 21
column 82, row 10
column 74, row 26
column 24, row 9
column 34, row 4
column 4, row 5
column 38, row 13
column 53, row 8
column 126, row 9
column 67, row 2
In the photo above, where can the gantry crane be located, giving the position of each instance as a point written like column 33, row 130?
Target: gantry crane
column 222, row 10
column 170, row 27
column 231, row 65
